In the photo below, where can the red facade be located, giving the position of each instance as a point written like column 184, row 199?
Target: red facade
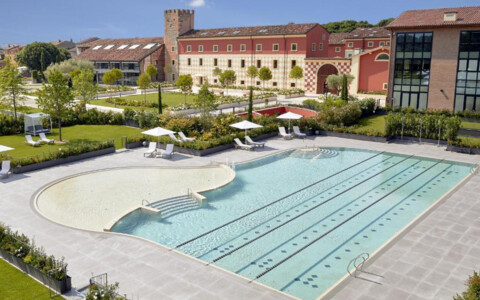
column 373, row 73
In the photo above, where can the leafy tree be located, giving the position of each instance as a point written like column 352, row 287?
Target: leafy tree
column 167, row 69
column 344, row 88
column 252, row 72
column 206, row 102
column 217, row 72
column 336, row 81
column 265, row 74
column 384, row 22
column 250, row 104
column 227, row 77
column 185, row 83
column 111, row 77
column 296, row 73
column 56, row 98
column 143, row 83
column 345, row 25
column 71, row 67
column 473, row 288
column 84, row 88
column 159, row 99
column 11, row 85
column 151, row 70
column 38, row 56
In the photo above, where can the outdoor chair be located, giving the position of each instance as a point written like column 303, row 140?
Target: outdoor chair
column 168, row 152
column 174, row 138
column 44, row 139
column 253, row 143
column 239, row 144
column 5, row 169
column 152, row 149
column 284, row 134
column 31, row 141
column 298, row 133
column 184, row 138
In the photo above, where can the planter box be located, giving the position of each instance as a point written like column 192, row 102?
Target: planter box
column 283, row 97
column 378, row 139
column 461, row 149
column 56, row 162
column 59, row 286
column 416, row 139
column 134, row 145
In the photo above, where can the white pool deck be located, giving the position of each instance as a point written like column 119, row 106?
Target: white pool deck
column 431, row 261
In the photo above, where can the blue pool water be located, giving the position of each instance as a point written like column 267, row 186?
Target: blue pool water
column 352, row 201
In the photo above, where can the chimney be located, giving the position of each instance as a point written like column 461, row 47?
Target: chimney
column 450, row 16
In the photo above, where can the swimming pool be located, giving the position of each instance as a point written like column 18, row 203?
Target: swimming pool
column 293, row 221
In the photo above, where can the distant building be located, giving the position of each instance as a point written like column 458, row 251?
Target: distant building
column 131, row 56
column 68, row 45
column 11, row 50
column 436, row 59
column 85, row 44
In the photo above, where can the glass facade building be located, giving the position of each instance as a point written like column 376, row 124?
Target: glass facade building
column 467, row 92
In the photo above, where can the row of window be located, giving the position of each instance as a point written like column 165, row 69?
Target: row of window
column 467, row 94
column 243, row 47
column 370, row 44
column 293, row 63
column 274, row 83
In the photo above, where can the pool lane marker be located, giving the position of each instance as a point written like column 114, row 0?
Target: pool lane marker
column 343, row 222
column 276, row 201
column 311, row 209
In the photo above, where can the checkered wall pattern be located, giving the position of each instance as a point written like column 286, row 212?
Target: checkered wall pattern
column 311, row 70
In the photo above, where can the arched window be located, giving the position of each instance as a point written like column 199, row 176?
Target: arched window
column 382, row 57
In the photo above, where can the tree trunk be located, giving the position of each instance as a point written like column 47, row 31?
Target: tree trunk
column 60, row 129
column 145, row 98
column 14, row 104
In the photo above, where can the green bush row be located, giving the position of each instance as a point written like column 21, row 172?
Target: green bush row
column 9, row 125
column 22, row 247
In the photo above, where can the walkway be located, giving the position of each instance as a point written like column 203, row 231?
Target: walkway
column 429, row 262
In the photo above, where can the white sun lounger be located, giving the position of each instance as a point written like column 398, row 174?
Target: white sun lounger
column 152, row 148
column 253, row 143
column 5, row 169
column 184, row 138
column 44, row 139
column 239, row 144
column 168, row 151
column 297, row 133
column 284, row 134
column 174, row 138
column 31, row 141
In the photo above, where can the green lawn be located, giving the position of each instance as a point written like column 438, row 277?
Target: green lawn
column 167, row 99
column 470, row 140
column 86, row 132
column 472, row 125
column 15, row 285
column 376, row 123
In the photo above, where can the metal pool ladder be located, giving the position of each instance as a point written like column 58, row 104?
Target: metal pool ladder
column 358, row 263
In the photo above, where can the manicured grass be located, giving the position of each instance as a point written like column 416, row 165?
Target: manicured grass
column 472, row 125
column 15, row 285
column 376, row 123
column 169, row 99
column 84, row 132
column 470, row 140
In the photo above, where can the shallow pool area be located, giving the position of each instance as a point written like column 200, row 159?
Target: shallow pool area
column 294, row 220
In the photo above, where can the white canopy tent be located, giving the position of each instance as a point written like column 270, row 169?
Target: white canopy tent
column 34, row 123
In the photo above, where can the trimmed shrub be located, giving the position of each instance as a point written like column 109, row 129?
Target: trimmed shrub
column 473, row 288
column 345, row 115
column 312, row 104
column 8, row 124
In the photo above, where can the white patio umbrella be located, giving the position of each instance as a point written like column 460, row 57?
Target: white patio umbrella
column 289, row 116
column 5, row 148
column 245, row 125
column 158, row 132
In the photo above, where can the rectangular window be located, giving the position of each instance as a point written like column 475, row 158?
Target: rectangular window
column 189, row 62
column 370, row 44
column 275, row 47
column 242, row 63
column 258, row 47
column 200, row 48
column 292, row 84
column 215, row 62
column 274, row 83
column 293, row 47
column 387, row 43
column 324, row 36
column 314, row 47
column 411, row 74
column 382, row 44
column 200, row 61
column 173, row 62
column 189, row 48
column 215, row 81
column 275, row 63
column 294, row 63
column 259, row 63
column 258, row 82
column 337, row 49
column 173, row 77
column 385, row 86
column 242, row 81
column 215, row 48
column 229, row 48
column 243, row 47
column 320, row 46
column 350, row 44
column 173, row 48
column 229, row 63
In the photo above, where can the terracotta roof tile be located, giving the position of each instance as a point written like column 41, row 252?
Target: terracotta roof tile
column 121, row 49
column 88, row 40
column 287, row 29
column 337, row 38
column 434, row 17
column 373, row 32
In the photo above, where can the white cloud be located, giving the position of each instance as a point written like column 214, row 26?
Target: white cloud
column 197, row 3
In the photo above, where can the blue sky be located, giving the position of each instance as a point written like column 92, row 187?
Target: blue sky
column 25, row 21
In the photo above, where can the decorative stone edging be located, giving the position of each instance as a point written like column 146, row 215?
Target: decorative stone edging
column 361, row 137
column 460, row 149
column 60, row 286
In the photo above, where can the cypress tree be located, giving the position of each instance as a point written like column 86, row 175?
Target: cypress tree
column 250, row 105
column 344, row 88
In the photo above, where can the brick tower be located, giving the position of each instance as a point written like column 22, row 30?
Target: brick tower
column 177, row 22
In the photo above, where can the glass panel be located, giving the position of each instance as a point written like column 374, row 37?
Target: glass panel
column 469, row 103
column 406, row 88
column 472, row 76
column 428, row 37
column 463, row 54
column 471, row 83
column 460, row 90
column 462, row 75
column 465, row 37
column 400, row 55
column 417, row 54
column 414, row 100
column 427, row 54
column 409, row 37
column 462, row 65
column 400, row 38
column 424, row 88
column 461, row 83
column 398, row 81
column 472, row 65
column 396, row 99
column 408, row 54
column 405, row 99
column 397, row 87
column 418, row 38
column 474, row 54
column 459, row 102
column 423, row 101
column 478, row 91
column 470, row 91
column 415, row 88
column 475, row 37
